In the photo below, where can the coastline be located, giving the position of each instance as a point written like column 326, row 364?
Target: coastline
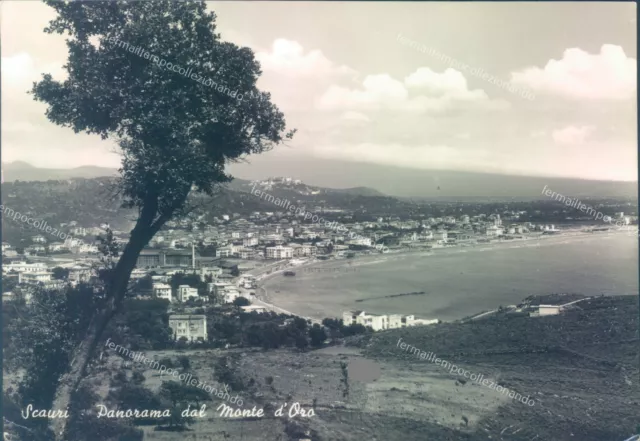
column 272, row 298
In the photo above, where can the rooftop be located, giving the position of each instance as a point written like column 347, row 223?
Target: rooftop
column 188, row 317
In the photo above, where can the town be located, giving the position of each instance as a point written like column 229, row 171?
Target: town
column 223, row 261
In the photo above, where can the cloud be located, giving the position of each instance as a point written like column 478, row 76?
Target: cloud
column 22, row 69
column 378, row 90
column 355, row 117
column 572, row 135
column 28, row 135
column 287, row 57
column 580, row 75
column 422, row 91
column 450, row 83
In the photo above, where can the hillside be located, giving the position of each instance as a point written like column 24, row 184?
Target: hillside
column 360, row 179
column 22, row 171
column 424, row 183
column 91, row 202
column 580, row 370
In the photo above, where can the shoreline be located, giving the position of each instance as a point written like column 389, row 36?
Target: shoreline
column 572, row 234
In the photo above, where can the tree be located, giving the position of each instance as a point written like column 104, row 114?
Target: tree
column 345, row 379
column 175, row 133
column 9, row 283
column 241, row 301
column 225, row 375
column 317, row 335
column 333, row 323
column 353, row 329
column 301, row 342
column 193, row 280
column 137, row 378
column 184, row 362
column 60, row 273
column 299, row 323
column 144, row 285
column 41, row 337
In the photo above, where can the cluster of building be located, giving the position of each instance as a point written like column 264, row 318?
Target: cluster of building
column 236, row 242
column 232, row 244
column 41, row 273
column 383, row 322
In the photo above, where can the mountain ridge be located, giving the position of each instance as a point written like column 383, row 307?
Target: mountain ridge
column 376, row 180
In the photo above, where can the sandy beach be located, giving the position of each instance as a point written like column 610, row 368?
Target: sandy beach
column 334, row 288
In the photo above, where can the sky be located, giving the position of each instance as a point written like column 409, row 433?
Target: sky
column 532, row 89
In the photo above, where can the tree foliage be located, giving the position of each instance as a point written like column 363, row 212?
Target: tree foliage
column 241, row 301
column 174, row 131
column 60, row 273
column 317, row 335
column 175, row 134
column 41, row 337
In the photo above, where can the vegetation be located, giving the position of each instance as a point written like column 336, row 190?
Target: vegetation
column 241, row 301
column 589, row 351
column 317, row 335
column 193, row 280
column 225, row 374
column 113, row 93
column 60, row 273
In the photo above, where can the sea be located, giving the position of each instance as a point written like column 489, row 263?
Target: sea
column 460, row 282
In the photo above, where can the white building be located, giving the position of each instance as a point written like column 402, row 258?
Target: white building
column 24, row 267
column 191, row 327
column 34, row 277
column 224, row 252
column 247, row 253
column 381, row 322
column 79, row 274
column 72, row 242
column 218, row 288
column 494, row 231
column 185, row 292
column 230, row 294
column 544, row 310
column 377, row 322
column 250, row 241
column 39, row 239
column 279, row 252
column 362, row 241
column 80, row 231
column 57, row 246
column 549, row 309
column 212, row 271
column 162, row 291
column 88, row 248
column 254, row 308
column 440, row 235
column 309, row 250
column 34, row 249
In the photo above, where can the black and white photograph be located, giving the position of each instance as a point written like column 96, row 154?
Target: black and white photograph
column 319, row 221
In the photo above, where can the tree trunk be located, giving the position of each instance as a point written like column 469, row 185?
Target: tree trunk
column 143, row 232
